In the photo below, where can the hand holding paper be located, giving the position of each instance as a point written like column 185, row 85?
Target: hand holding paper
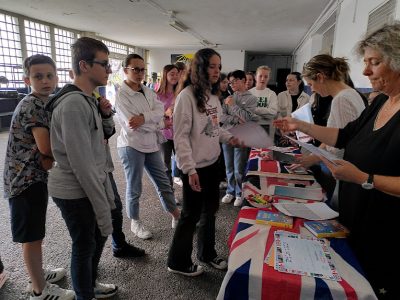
column 345, row 171
column 252, row 135
column 303, row 114
column 287, row 124
column 317, row 151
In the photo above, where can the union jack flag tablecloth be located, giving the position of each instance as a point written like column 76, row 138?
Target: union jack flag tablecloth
column 248, row 277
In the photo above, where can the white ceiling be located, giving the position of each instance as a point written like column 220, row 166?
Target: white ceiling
column 274, row 26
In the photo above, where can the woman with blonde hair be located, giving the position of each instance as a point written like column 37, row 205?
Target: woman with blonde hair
column 327, row 76
column 369, row 175
column 267, row 104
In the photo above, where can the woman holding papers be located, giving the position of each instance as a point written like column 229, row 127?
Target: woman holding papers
column 327, row 76
column 197, row 134
column 369, row 175
column 294, row 97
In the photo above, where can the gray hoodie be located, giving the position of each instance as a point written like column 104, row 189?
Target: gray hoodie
column 79, row 149
column 243, row 110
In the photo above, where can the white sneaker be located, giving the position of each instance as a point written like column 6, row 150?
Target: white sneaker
column 104, row 290
column 227, row 198
column 174, row 223
column 50, row 275
column 178, row 181
column 52, row 291
column 223, row 185
column 138, row 229
column 238, row 201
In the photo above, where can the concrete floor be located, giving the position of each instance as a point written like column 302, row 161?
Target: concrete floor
column 142, row 278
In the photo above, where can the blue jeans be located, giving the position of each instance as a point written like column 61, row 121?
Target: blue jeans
column 134, row 162
column 87, row 244
column 235, row 164
column 175, row 170
column 197, row 208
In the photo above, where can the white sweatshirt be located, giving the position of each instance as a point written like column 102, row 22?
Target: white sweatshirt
column 267, row 105
column 129, row 103
column 197, row 135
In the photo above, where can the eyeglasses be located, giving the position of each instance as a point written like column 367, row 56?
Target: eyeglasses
column 137, row 70
column 105, row 64
column 234, row 81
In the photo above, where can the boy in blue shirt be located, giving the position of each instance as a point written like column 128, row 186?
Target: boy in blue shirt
column 28, row 158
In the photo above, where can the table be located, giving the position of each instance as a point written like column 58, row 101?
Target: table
column 248, row 277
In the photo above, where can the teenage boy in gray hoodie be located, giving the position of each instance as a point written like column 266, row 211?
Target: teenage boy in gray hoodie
column 78, row 182
column 237, row 109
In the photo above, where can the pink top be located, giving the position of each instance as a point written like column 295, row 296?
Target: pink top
column 167, row 100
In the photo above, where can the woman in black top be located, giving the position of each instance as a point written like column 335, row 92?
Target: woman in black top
column 369, row 175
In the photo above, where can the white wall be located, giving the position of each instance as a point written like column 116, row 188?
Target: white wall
column 349, row 31
column 351, row 25
column 305, row 52
column 158, row 58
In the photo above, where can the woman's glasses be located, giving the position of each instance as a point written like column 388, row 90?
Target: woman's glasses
column 137, row 70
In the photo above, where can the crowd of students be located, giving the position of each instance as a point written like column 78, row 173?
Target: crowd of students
column 189, row 116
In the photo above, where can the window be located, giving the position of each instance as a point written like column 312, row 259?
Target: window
column 116, row 48
column 63, row 40
column 10, row 54
column 44, row 39
column 37, row 38
column 381, row 16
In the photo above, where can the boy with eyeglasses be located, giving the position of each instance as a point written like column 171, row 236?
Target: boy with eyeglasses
column 237, row 109
column 79, row 183
column 28, row 158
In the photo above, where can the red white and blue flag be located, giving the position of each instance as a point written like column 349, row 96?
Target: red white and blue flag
column 248, row 277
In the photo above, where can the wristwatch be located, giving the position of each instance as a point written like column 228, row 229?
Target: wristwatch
column 369, row 184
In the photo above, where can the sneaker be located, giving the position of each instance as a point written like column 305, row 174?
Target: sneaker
column 192, row 271
column 51, row 276
column 223, row 185
column 218, row 263
column 238, row 201
column 128, row 251
column 178, row 181
column 104, row 290
column 138, row 230
column 174, row 223
column 227, row 198
column 52, row 291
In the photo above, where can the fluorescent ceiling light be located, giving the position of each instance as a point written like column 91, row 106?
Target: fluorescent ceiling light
column 205, row 43
column 178, row 25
